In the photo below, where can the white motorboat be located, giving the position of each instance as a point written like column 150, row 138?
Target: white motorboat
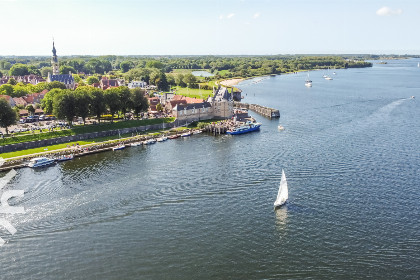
column 40, row 162
column 119, row 147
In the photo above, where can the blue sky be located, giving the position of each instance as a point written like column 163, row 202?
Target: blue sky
column 201, row 27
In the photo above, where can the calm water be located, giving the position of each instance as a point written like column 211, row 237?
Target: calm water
column 202, row 208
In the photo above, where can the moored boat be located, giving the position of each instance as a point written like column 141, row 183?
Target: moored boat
column 119, row 147
column 65, row 158
column 40, row 162
column 247, row 127
column 135, row 144
column 161, row 139
column 173, row 136
column 186, row 134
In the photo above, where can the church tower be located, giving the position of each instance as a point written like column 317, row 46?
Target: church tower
column 54, row 61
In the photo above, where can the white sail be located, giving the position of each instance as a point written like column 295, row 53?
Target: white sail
column 283, row 193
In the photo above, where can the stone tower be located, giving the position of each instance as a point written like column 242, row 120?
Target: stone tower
column 54, row 61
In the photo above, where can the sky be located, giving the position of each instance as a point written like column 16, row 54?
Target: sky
column 209, row 27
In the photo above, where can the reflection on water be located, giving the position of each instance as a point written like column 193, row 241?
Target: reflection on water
column 281, row 217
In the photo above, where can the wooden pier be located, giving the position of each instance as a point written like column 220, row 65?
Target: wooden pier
column 262, row 110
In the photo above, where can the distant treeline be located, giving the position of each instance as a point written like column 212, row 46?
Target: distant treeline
column 221, row 66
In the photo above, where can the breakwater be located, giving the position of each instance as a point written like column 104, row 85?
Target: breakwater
column 262, row 110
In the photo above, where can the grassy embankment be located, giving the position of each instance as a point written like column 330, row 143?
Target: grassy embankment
column 81, row 129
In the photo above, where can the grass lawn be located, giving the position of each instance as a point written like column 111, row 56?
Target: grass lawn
column 193, row 92
column 80, row 129
column 223, row 72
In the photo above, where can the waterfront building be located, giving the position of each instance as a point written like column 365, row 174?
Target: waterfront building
column 222, row 103
column 193, row 111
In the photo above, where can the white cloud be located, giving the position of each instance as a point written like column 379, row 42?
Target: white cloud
column 221, row 17
column 387, row 11
column 256, row 15
column 231, row 15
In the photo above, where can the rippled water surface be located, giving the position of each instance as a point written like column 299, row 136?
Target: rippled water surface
column 202, row 207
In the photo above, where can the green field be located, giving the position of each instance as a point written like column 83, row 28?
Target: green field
column 193, row 92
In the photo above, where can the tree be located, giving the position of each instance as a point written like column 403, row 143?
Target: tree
column 92, row 80
column 56, row 84
column 48, row 100
column 82, row 103
column 125, row 66
column 139, row 101
column 125, row 100
column 19, row 70
column 40, row 87
column 32, row 69
column 154, row 64
column 6, row 89
column 97, row 102
column 8, row 117
column 45, row 71
column 20, row 90
column 5, row 65
column 190, row 80
column 31, row 109
column 179, row 80
column 12, row 82
column 159, row 107
column 162, row 83
column 112, row 101
column 64, row 106
column 66, row 69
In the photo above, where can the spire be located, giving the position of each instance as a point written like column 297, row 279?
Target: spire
column 54, row 61
column 53, row 50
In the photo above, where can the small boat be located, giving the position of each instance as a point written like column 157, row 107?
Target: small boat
column 247, row 127
column 135, row 144
column 119, row 147
column 412, row 97
column 186, row 134
column 161, row 139
column 418, row 64
column 197, row 131
column 283, row 193
column 150, row 141
column 327, row 76
column 334, row 73
column 40, row 162
column 65, row 158
column 173, row 136
column 308, row 82
column 280, row 127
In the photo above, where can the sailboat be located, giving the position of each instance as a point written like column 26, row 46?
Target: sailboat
column 418, row 64
column 308, row 82
column 328, row 77
column 283, row 193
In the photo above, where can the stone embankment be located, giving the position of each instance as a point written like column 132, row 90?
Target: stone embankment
column 262, row 110
column 76, row 150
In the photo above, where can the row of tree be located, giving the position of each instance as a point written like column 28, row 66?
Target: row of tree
column 89, row 101
column 236, row 65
